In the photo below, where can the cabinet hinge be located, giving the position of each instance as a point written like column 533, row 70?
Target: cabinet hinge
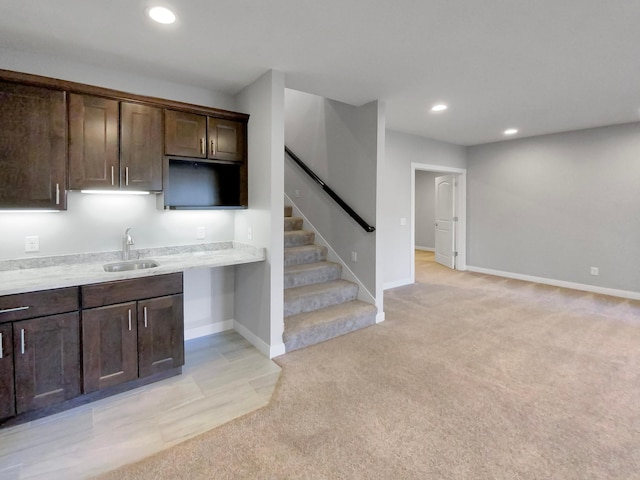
column 455, row 254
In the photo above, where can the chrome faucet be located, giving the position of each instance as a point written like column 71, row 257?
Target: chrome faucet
column 127, row 241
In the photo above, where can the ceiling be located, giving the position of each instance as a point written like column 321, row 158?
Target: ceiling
column 541, row 66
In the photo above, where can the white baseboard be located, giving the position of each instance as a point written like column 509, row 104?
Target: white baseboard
column 380, row 317
column 425, row 249
column 205, row 330
column 261, row 345
column 397, row 283
column 558, row 283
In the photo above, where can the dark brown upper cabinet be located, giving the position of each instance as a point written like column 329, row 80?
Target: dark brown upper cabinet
column 114, row 145
column 201, row 136
column 227, row 139
column 33, row 147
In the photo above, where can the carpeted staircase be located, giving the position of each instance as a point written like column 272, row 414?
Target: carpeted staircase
column 318, row 303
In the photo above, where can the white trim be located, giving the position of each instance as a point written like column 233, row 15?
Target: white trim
column 398, row 283
column 363, row 294
column 254, row 340
column 380, row 317
column 461, row 201
column 425, row 249
column 205, row 330
column 559, row 283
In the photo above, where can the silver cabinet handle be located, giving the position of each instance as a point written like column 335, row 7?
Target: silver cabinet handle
column 129, row 319
column 213, row 147
column 1, row 346
column 203, row 148
column 57, row 194
column 126, row 175
column 16, row 309
column 145, row 316
column 113, row 175
column 22, row 341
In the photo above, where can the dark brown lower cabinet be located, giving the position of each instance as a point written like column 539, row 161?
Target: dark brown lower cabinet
column 47, row 360
column 109, row 346
column 7, row 396
column 160, row 334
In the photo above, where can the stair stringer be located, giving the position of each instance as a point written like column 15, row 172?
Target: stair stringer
column 347, row 274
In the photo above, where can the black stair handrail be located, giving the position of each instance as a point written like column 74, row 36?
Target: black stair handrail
column 352, row 213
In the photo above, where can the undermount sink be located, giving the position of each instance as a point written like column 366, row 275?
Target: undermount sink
column 130, row 265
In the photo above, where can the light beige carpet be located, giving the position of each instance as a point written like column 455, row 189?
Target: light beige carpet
column 469, row 377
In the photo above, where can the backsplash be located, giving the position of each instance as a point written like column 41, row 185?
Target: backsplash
column 96, row 223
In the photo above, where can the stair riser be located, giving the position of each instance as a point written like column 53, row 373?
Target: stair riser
column 318, row 334
column 292, row 223
column 288, row 210
column 311, row 256
column 311, row 302
column 298, row 238
column 319, row 275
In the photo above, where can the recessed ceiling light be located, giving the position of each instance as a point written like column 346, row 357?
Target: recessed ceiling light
column 511, row 131
column 439, row 107
column 162, row 15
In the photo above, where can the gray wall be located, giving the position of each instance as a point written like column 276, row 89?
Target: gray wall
column 340, row 143
column 425, row 211
column 259, row 287
column 555, row 205
column 395, row 188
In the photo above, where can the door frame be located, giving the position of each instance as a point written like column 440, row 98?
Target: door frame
column 461, row 203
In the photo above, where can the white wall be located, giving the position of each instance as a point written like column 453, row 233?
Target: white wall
column 425, row 213
column 553, row 206
column 260, row 287
column 95, row 223
column 339, row 143
column 395, row 190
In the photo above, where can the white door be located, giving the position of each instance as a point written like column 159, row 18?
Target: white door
column 445, row 224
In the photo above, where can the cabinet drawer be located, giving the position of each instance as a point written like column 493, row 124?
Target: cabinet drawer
column 121, row 291
column 37, row 304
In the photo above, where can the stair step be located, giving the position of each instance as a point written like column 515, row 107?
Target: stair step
column 298, row 238
column 304, row 254
column 311, row 273
column 288, row 210
column 309, row 328
column 320, row 295
column 292, row 223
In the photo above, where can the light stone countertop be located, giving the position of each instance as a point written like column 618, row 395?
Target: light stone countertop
column 44, row 273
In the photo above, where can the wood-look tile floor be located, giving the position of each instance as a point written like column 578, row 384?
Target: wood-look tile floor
column 224, row 377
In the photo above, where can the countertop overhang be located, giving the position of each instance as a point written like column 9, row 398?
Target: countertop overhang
column 45, row 273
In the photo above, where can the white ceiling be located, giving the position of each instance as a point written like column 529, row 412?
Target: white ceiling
column 538, row 65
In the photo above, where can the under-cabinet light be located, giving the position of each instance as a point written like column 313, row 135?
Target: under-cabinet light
column 511, row 131
column 116, row 192
column 29, row 211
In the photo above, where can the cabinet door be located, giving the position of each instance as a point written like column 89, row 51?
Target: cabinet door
column 185, row 134
column 160, row 334
column 33, row 147
column 93, row 143
column 109, row 346
column 227, row 139
column 140, row 147
column 47, row 360
column 7, row 396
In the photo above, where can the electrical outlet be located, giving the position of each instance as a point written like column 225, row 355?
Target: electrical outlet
column 32, row 244
column 249, row 233
column 297, row 194
column 200, row 233
column 403, row 221
column 354, row 256
column 594, row 271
